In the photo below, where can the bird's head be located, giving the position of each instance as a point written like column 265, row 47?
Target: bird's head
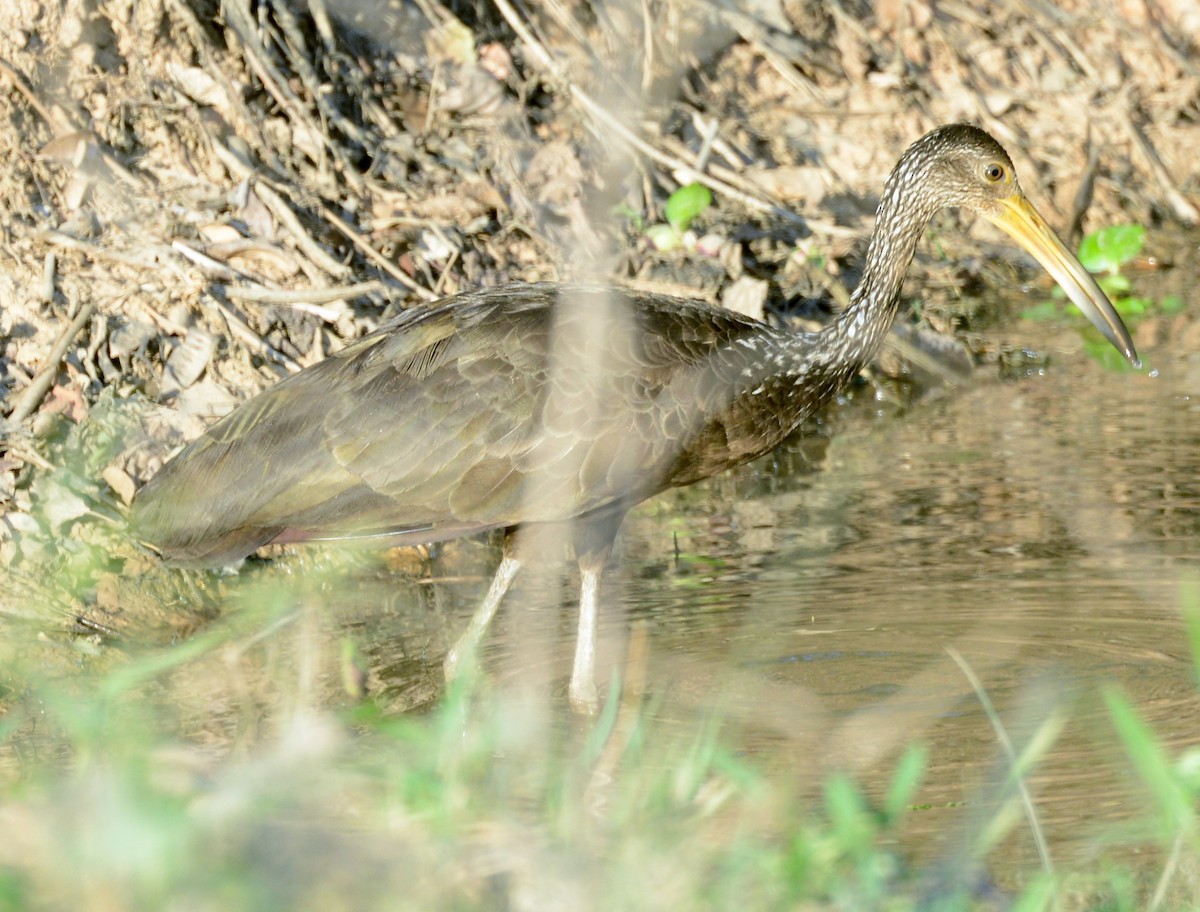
column 961, row 166
column 956, row 165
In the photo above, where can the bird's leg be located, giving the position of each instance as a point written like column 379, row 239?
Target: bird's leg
column 462, row 654
column 582, row 691
column 593, row 544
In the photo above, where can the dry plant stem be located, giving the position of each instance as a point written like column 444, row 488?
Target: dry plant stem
column 1184, row 210
column 718, row 173
column 58, row 239
column 613, row 125
column 282, row 211
column 320, row 14
column 752, row 32
column 374, row 255
column 312, row 81
column 237, row 16
column 18, row 82
column 49, row 267
column 733, row 156
column 1083, row 195
column 1010, row 751
column 210, row 267
column 44, row 378
column 708, row 133
column 243, row 170
column 311, row 248
column 253, row 340
column 260, row 295
column 246, row 124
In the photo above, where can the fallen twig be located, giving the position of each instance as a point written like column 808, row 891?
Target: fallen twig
column 253, row 340
column 1083, row 194
column 374, row 255
column 244, row 170
column 1180, row 206
column 598, row 112
column 260, row 295
column 44, row 378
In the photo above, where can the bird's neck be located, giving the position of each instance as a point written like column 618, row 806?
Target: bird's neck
column 859, row 330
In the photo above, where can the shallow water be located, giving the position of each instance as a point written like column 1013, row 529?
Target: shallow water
column 1041, row 528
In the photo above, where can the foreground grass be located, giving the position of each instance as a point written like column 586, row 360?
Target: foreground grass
column 115, row 793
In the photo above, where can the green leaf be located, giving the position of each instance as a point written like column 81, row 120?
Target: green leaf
column 1108, row 249
column 1171, row 304
column 1113, row 285
column 1099, row 349
column 685, row 204
column 1045, row 311
column 1132, row 306
column 848, row 814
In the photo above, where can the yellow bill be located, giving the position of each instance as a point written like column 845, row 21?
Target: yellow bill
column 1022, row 222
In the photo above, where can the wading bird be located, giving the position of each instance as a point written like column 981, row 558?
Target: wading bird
column 545, row 403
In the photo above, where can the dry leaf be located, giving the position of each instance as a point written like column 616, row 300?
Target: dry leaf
column 197, row 85
column 206, row 399
column 451, row 42
column 746, row 296
column 264, row 261
column 188, row 361
column 791, row 183
column 120, row 482
column 68, row 401
column 70, row 149
column 219, row 233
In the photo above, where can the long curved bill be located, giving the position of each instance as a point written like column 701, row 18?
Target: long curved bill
column 1019, row 219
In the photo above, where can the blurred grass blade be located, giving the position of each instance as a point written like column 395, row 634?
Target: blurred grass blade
column 1152, row 765
column 905, row 781
column 1045, row 736
column 1189, row 600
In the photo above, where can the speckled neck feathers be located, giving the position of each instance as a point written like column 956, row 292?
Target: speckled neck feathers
column 901, row 220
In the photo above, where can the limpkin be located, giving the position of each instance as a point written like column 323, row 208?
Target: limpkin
column 514, row 406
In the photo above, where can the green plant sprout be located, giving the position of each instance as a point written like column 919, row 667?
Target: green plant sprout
column 683, row 206
column 1103, row 253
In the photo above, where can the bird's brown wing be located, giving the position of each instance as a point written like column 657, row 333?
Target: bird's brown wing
column 497, row 408
column 535, row 409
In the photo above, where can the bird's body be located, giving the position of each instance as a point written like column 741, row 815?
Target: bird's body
column 472, row 415
column 546, row 404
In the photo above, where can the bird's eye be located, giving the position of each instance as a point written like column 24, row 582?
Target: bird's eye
column 993, row 172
